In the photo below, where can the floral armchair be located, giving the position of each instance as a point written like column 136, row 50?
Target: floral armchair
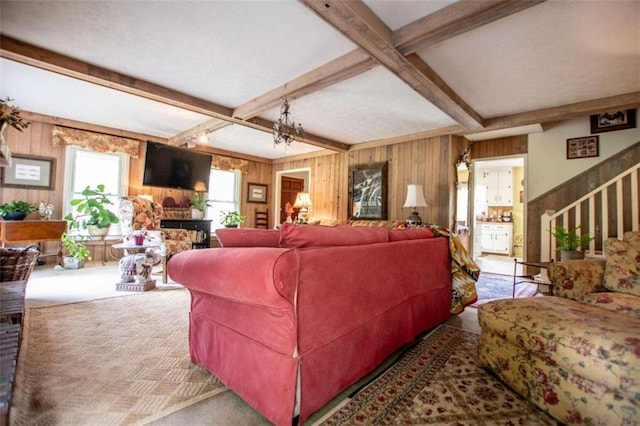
column 138, row 213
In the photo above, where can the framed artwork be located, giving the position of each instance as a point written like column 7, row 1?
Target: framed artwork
column 615, row 120
column 582, row 147
column 256, row 193
column 368, row 191
column 29, row 171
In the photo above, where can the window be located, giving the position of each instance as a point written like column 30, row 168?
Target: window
column 224, row 193
column 87, row 168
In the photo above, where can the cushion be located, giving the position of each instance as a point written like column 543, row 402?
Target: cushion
column 248, row 237
column 298, row 236
column 632, row 237
column 622, row 269
column 622, row 303
column 410, row 234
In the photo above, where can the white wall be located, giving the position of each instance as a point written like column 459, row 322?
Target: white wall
column 547, row 159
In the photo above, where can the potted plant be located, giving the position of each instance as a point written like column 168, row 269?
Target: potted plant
column 570, row 242
column 76, row 252
column 93, row 215
column 198, row 204
column 16, row 210
column 231, row 219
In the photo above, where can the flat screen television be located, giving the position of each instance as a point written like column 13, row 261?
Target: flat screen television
column 172, row 167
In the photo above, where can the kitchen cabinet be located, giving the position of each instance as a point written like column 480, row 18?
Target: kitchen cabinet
column 499, row 183
column 496, row 238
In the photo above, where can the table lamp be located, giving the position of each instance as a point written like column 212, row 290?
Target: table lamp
column 415, row 198
column 303, row 202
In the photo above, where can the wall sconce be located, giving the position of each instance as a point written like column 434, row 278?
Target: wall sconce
column 303, row 202
column 415, row 198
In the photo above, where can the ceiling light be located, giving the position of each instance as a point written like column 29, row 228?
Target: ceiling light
column 190, row 144
column 203, row 138
column 285, row 131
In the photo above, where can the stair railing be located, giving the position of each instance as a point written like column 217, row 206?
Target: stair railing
column 594, row 213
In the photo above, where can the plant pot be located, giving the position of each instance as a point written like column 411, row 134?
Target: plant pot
column 97, row 233
column 231, row 226
column 197, row 214
column 571, row 255
column 72, row 262
column 15, row 216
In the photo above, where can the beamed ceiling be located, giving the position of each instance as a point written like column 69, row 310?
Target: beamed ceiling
column 356, row 73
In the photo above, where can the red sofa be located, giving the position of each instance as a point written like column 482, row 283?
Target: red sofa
column 290, row 323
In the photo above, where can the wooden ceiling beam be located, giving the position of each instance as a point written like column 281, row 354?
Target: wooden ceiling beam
column 356, row 21
column 453, row 20
column 51, row 61
column 565, row 112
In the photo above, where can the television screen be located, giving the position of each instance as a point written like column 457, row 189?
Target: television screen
column 172, row 167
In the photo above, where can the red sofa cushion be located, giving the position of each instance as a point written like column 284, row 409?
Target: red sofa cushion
column 410, row 234
column 299, row 236
column 241, row 237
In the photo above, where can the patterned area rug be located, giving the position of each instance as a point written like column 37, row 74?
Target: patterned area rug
column 123, row 360
column 435, row 383
column 494, row 286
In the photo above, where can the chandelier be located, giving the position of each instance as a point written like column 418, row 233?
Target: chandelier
column 285, row 131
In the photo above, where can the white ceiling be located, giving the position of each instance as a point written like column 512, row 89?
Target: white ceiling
column 231, row 52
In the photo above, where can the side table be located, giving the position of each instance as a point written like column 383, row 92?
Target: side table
column 529, row 278
column 135, row 267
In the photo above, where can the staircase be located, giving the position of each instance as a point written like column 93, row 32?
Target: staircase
column 607, row 211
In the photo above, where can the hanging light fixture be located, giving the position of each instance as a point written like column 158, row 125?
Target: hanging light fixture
column 285, row 131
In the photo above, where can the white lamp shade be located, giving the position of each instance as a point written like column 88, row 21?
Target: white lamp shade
column 415, row 196
column 302, row 200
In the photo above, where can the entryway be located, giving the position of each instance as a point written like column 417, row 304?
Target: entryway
column 288, row 184
column 498, row 219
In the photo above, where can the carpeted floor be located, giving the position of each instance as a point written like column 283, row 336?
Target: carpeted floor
column 493, row 286
column 121, row 360
column 438, row 382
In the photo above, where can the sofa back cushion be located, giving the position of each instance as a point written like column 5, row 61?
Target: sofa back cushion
column 249, row 237
column 410, row 234
column 299, row 236
column 622, row 270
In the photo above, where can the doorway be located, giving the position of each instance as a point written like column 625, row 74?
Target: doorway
column 288, row 184
column 498, row 213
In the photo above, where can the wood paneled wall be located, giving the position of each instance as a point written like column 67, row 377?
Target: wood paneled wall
column 428, row 162
column 513, row 145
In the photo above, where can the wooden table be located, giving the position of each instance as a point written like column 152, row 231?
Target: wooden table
column 29, row 231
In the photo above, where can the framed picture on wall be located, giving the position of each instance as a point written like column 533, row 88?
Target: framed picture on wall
column 613, row 120
column 582, row 147
column 368, row 191
column 29, row 171
column 256, row 193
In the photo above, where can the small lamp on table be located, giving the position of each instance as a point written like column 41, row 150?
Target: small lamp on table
column 415, row 199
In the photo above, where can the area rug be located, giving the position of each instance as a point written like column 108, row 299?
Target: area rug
column 438, row 382
column 116, row 361
column 494, row 286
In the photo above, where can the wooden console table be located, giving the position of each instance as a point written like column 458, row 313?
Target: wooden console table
column 29, row 231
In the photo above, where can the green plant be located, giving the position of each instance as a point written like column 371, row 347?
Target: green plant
column 74, row 247
column 231, row 218
column 570, row 240
column 200, row 201
column 92, row 209
column 17, row 206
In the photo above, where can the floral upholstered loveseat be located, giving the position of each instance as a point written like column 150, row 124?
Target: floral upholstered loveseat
column 575, row 355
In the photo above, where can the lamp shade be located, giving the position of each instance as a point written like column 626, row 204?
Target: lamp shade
column 302, row 200
column 415, row 196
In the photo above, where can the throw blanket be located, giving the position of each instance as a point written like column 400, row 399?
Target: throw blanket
column 464, row 272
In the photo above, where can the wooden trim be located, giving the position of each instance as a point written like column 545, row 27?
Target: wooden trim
column 48, row 119
column 357, row 22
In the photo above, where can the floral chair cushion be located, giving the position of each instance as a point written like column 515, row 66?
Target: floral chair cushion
column 574, row 279
column 622, row 271
column 623, row 303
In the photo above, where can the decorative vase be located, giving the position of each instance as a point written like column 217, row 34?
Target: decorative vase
column 139, row 239
column 197, row 214
column 571, row 255
column 97, row 233
column 14, row 216
column 235, row 225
